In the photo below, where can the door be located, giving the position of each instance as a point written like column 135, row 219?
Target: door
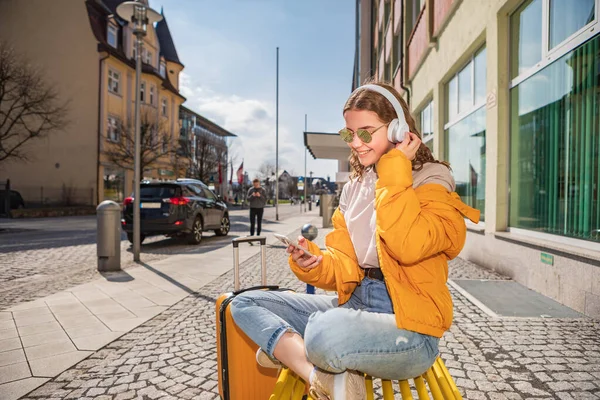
column 214, row 211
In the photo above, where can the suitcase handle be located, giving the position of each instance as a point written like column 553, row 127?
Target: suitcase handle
column 249, row 239
column 236, row 259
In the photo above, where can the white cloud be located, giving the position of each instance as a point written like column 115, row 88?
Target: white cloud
column 252, row 120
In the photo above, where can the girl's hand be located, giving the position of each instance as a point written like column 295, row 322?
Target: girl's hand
column 409, row 145
column 300, row 258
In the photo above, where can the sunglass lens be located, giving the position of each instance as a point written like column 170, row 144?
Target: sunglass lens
column 346, row 135
column 364, row 135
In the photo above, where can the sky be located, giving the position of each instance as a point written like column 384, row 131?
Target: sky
column 228, row 48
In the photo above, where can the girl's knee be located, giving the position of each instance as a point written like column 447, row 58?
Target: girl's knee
column 324, row 339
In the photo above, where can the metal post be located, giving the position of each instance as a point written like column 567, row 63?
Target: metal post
column 277, row 139
column 136, row 157
column 305, row 151
column 312, row 190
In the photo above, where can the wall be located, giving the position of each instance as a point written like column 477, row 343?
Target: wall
column 56, row 36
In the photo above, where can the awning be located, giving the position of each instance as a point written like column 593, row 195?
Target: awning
column 326, row 146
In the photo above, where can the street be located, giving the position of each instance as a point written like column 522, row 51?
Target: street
column 173, row 356
column 39, row 257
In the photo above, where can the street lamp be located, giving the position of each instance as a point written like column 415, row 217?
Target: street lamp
column 140, row 16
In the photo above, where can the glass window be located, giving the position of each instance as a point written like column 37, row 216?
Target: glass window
column 114, row 184
column 427, row 125
column 142, row 91
column 159, row 191
column 526, row 37
column 453, row 98
column 152, row 94
column 567, row 17
column 555, row 147
column 209, row 194
column 111, row 35
column 164, row 107
column 465, row 150
column 465, row 86
column 163, row 69
column 112, row 129
column 480, row 76
column 113, row 81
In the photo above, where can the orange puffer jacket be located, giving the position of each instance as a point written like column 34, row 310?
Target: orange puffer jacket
column 418, row 231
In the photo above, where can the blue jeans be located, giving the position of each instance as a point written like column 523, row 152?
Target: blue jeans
column 360, row 335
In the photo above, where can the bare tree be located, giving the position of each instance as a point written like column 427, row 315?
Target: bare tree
column 30, row 108
column 154, row 143
column 266, row 170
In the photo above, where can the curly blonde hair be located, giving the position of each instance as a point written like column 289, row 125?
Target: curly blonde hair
column 372, row 101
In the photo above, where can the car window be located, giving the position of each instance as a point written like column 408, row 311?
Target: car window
column 209, row 194
column 161, row 191
column 194, row 189
column 187, row 191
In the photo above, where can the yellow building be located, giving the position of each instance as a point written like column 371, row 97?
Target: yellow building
column 87, row 52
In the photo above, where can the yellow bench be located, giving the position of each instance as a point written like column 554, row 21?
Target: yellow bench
column 436, row 380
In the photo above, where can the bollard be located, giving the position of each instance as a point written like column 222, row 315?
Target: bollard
column 309, row 232
column 108, row 236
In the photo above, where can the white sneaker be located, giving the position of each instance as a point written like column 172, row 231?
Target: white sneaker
column 349, row 385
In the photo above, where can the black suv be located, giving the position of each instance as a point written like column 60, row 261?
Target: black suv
column 182, row 208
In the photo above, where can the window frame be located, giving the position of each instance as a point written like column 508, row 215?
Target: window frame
column 110, row 26
column 431, row 105
column 453, row 120
column 576, row 39
column 164, row 107
column 111, row 78
column 112, row 125
column 143, row 92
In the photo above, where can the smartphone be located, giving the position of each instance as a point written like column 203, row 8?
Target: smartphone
column 289, row 242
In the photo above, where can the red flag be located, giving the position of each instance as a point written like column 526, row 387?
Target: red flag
column 220, row 173
column 240, row 173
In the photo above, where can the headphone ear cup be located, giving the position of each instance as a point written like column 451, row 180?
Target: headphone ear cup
column 393, row 129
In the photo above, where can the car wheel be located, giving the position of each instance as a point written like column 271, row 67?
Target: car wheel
column 130, row 237
column 195, row 236
column 225, row 226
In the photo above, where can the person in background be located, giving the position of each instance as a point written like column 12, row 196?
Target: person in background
column 257, row 199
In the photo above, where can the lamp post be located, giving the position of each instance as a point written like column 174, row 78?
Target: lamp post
column 140, row 16
column 305, row 151
column 277, row 138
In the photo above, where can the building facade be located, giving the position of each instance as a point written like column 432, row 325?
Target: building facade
column 204, row 150
column 87, row 52
column 507, row 91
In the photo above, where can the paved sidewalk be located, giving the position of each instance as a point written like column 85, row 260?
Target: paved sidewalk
column 42, row 338
column 173, row 355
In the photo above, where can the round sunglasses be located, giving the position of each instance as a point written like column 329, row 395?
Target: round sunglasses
column 363, row 134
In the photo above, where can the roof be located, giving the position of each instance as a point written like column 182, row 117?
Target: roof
column 208, row 124
column 98, row 13
column 167, row 47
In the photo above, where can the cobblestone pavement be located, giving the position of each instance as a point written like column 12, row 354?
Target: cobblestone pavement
column 42, row 266
column 173, row 356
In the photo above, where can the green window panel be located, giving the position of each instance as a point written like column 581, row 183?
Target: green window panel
column 465, row 150
column 555, row 141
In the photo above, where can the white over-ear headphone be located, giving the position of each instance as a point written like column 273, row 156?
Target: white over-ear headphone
column 398, row 127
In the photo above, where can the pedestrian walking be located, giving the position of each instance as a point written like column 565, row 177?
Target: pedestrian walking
column 257, row 198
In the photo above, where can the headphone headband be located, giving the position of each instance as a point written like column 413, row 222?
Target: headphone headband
column 398, row 127
column 388, row 95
